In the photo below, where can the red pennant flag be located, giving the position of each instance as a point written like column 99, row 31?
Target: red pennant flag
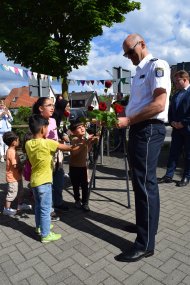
column 16, row 70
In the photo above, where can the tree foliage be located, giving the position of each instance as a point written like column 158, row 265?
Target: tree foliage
column 20, row 119
column 53, row 36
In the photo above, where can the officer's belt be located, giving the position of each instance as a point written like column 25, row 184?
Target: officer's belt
column 153, row 121
column 149, row 122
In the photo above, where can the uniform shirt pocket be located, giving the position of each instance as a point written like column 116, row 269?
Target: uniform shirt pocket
column 139, row 88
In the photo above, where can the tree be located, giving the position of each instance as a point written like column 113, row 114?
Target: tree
column 53, row 36
column 20, row 121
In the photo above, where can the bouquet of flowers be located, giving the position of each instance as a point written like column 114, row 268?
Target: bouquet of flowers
column 104, row 117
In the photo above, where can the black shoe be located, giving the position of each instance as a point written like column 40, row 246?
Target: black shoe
column 134, row 255
column 183, row 182
column 165, row 179
column 62, row 207
column 54, row 217
column 86, row 208
column 78, row 204
column 130, row 228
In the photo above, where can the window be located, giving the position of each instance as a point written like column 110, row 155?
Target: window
column 14, row 99
column 78, row 103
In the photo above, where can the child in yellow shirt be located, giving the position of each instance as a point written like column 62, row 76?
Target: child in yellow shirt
column 40, row 152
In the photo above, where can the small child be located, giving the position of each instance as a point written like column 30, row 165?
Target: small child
column 40, row 152
column 78, row 163
column 13, row 175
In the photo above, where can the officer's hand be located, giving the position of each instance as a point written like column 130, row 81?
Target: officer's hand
column 123, row 122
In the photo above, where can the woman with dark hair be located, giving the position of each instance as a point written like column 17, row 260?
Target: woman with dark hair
column 61, row 115
column 58, row 98
column 45, row 107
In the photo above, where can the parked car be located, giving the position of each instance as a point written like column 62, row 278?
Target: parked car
column 77, row 113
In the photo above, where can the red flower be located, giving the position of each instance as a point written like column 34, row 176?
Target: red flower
column 102, row 106
column 90, row 108
column 108, row 83
column 118, row 108
column 66, row 114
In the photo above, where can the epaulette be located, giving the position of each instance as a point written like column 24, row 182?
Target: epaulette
column 153, row 59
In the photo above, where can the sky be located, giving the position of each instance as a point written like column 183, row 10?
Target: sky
column 165, row 26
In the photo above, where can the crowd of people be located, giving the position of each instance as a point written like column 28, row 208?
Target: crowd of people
column 145, row 114
column 49, row 137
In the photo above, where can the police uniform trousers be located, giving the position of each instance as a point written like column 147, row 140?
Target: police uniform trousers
column 180, row 140
column 145, row 141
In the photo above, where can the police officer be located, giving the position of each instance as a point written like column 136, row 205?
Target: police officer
column 145, row 114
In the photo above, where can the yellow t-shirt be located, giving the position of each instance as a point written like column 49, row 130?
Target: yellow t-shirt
column 40, row 153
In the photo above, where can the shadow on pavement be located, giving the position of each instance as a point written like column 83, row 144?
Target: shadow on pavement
column 106, row 199
column 16, row 224
column 84, row 222
column 115, row 172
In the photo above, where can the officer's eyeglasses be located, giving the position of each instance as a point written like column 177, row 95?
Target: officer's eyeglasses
column 131, row 50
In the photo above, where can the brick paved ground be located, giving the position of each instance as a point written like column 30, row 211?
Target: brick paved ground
column 85, row 254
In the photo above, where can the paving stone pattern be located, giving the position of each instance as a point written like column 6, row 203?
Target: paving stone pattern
column 85, row 254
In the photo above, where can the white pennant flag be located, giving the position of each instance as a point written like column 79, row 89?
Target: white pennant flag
column 20, row 72
column 12, row 69
column 35, row 74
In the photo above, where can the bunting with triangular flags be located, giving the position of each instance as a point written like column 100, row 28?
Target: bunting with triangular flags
column 30, row 74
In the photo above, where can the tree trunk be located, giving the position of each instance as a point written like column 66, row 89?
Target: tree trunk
column 65, row 88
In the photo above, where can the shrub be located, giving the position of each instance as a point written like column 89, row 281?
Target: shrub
column 20, row 121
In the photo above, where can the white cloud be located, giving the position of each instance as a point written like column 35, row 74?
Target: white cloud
column 7, row 85
column 5, row 89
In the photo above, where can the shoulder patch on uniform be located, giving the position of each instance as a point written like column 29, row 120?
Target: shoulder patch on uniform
column 159, row 72
column 153, row 59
